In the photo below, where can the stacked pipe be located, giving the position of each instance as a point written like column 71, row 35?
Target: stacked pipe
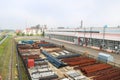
column 23, row 50
column 24, row 46
column 102, row 72
column 79, row 61
column 85, row 64
column 29, row 53
column 106, row 74
column 36, row 56
column 110, row 75
column 73, row 59
column 95, row 68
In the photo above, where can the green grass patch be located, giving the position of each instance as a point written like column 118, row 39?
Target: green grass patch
column 4, row 45
column 5, row 52
column 5, row 57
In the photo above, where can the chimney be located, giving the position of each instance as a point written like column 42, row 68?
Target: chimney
column 81, row 26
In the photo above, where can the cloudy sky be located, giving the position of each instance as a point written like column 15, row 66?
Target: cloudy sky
column 19, row 14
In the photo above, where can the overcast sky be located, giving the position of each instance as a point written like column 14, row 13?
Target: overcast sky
column 19, row 14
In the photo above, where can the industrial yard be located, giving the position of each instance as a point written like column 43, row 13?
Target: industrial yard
column 45, row 58
column 59, row 39
column 41, row 58
column 43, row 65
column 47, row 61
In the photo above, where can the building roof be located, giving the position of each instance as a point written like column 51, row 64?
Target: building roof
column 107, row 36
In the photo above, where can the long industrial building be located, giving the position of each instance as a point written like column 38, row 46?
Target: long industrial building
column 105, row 38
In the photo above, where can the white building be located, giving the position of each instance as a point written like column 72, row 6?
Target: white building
column 34, row 31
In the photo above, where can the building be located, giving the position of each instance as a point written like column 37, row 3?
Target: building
column 102, row 38
column 35, row 30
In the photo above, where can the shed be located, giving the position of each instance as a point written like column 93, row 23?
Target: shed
column 105, row 57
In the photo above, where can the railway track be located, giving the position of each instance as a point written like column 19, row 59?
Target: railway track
column 10, row 74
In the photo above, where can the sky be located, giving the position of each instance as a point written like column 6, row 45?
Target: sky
column 19, row 14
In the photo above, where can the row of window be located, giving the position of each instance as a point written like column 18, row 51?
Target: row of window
column 107, row 44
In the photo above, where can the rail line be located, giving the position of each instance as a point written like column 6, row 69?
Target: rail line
column 11, row 62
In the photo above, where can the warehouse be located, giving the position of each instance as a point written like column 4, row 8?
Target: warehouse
column 102, row 38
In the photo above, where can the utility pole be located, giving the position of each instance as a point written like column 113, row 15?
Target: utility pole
column 84, row 34
column 91, row 36
column 103, row 44
column 81, row 24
